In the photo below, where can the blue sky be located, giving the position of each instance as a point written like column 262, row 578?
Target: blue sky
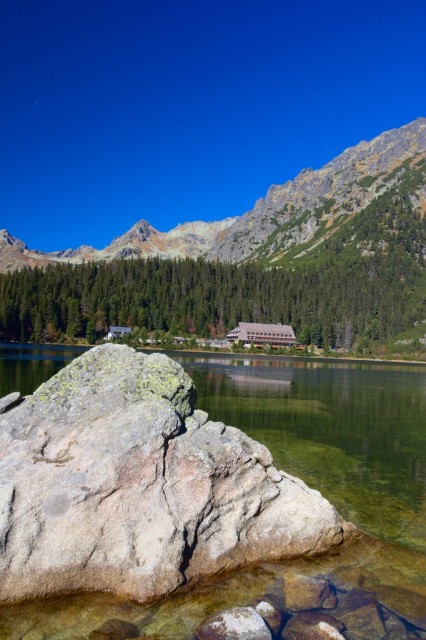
column 113, row 111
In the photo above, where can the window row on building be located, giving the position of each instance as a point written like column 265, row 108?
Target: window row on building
column 258, row 334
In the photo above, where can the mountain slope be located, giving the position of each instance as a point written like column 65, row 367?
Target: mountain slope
column 142, row 240
column 317, row 214
column 296, row 217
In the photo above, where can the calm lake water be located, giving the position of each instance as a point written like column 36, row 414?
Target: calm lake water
column 354, row 430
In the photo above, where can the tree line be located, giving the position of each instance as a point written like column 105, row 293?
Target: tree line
column 334, row 304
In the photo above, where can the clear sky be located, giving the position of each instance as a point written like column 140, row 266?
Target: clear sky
column 179, row 110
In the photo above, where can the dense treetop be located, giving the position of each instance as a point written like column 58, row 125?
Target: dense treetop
column 336, row 304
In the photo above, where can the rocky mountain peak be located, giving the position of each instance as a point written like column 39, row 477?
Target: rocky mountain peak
column 82, row 250
column 6, row 239
column 291, row 214
column 142, row 230
column 304, row 211
column 139, row 232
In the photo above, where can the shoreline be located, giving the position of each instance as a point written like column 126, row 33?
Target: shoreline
column 225, row 354
column 277, row 358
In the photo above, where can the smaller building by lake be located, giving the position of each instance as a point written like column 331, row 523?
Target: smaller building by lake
column 117, row 332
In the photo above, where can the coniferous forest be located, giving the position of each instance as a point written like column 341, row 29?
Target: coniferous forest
column 358, row 302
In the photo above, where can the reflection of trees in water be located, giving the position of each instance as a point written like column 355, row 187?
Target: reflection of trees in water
column 374, row 415
column 25, row 368
column 25, row 375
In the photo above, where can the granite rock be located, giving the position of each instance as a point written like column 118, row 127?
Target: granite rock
column 239, row 623
column 302, row 592
column 313, row 625
column 272, row 616
column 9, row 401
column 111, row 480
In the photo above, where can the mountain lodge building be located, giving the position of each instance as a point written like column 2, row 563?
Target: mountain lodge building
column 277, row 335
column 117, row 332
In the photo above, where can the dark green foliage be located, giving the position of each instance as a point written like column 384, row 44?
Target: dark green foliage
column 389, row 224
column 334, row 304
column 358, row 288
column 367, row 181
column 90, row 331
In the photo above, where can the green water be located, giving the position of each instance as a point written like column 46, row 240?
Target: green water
column 355, row 431
column 23, row 367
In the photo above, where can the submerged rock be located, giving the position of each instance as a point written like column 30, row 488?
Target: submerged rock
column 239, row 623
column 110, row 480
column 115, row 630
column 302, row 593
column 405, row 603
column 361, row 614
column 313, row 625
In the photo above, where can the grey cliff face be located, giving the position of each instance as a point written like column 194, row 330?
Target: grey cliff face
column 110, row 479
column 7, row 240
column 290, row 214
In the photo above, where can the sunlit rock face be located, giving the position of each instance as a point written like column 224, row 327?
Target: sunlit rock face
column 317, row 203
column 111, row 480
column 188, row 240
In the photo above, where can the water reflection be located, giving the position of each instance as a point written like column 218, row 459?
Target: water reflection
column 24, row 367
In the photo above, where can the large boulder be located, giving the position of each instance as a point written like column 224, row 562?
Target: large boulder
column 111, row 480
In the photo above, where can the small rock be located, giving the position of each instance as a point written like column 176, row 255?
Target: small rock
column 313, row 625
column 360, row 612
column 302, row 593
column 115, row 630
column 9, row 401
column 239, row 623
column 275, row 595
column 273, row 617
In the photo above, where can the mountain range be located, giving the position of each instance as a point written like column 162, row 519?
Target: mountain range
column 142, row 240
column 342, row 207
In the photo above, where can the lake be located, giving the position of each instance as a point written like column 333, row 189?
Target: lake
column 356, row 431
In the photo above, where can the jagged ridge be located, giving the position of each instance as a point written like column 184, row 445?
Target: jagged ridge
column 317, row 203
column 291, row 221
column 142, row 240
